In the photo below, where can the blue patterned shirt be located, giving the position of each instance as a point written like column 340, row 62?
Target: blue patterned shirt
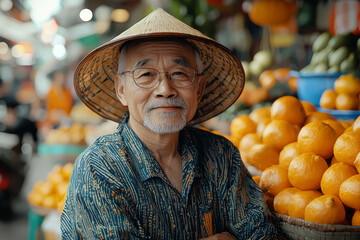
column 119, row 191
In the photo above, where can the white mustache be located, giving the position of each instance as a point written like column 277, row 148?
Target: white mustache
column 165, row 102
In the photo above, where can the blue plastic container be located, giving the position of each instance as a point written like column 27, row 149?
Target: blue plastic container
column 312, row 85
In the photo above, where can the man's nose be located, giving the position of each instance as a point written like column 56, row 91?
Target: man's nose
column 164, row 88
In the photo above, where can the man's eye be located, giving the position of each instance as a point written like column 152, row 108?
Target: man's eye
column 145, row 74
column 178, row 73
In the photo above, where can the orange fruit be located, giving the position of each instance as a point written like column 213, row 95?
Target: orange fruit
column 357, row 162
column 327, row 209
column 347, row 147
column 346, row 124
column 334, row 176
column 288, row 108
column 248, row 141
column 293, row 83
column 259, row 115
column 349, row 192
column 256, row 179
column 269, row 202
column 308, row 107
column 274, row 179
column 339, row 129
column 288, row 153
column 356, row 218
column 279, row 133
column 240, row 126
column 328, row 99
column 333, row 160
column 261, row 125
column 282, row 74
column 318, row 116
column 299, row 202
column 346, row 101
column 267, row 79
column 356, row 125
column 283, row 199
column 262, row 156
column 347, row 83
column 317, row 137
column 306, row 170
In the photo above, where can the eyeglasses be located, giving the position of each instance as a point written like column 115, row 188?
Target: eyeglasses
column 149, row 77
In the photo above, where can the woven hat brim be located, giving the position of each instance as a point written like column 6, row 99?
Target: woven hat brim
column 224, row 74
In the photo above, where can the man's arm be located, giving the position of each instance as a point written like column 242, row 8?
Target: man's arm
column 95, row 208
column 247, row 213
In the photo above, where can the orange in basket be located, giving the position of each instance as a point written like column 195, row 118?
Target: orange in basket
column 327, row 209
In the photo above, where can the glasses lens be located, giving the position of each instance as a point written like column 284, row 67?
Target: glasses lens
column 182, row 77
column 145, row 77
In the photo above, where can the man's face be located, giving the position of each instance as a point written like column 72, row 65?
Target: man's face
column 163, row 108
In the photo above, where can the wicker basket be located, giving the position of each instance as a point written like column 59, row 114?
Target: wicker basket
column 294, row 229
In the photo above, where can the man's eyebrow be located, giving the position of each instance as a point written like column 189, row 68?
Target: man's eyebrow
column 181, row 61
column 142, row 62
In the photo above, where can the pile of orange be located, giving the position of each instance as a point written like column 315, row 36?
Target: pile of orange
column 270, row 77
column 309, row 161
column 51, row 193
column 344, row 96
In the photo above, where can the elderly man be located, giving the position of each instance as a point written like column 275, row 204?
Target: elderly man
column 157, row 177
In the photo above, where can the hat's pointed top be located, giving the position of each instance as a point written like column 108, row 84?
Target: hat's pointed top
column 159, row 21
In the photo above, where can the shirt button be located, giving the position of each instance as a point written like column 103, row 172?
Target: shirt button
column 188, row 214
column 173, row 226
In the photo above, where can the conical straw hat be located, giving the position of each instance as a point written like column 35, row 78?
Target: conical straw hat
column 224, row 74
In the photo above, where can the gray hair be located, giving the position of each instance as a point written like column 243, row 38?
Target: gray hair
column 122, row 60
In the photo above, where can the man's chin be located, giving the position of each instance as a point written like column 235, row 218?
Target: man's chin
column 165, row 127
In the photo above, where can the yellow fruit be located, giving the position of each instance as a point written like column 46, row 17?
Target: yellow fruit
column 267, row 79
column 356, row 125
column 308, row 107
column 347, row 147
column 317, row 137
column 326, row 209
column 299, row 202
column 318, row 116
column 356, row 218
column 288, row 108
column 357, row 162
column 339, row 129
column 259, row 115
column 346, row 101
column 306, row 170
column 349, row 192
column 347, row 83
column 279, row 133
column 283, row 199
column 288, row 153
column 240, row 126
column 248, row 141
column 328, row 99
column 334, row 176
column 262, row 156
column 274, row 179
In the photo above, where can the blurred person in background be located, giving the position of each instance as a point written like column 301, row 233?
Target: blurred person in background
column 59, row 100
column 157, row 177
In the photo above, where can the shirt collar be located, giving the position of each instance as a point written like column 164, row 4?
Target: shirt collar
column 145, row 162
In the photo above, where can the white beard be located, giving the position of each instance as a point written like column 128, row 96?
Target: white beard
column 169, row 125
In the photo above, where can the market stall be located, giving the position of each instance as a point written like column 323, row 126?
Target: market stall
column 296, row 122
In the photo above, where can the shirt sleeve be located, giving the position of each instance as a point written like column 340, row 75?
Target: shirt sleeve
column 96, row 207
column 247, row 213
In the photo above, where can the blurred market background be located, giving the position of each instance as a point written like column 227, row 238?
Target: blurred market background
column 44, row 126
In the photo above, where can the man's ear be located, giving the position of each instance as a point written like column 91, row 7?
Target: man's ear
column 120, row 90
column 201, row 87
